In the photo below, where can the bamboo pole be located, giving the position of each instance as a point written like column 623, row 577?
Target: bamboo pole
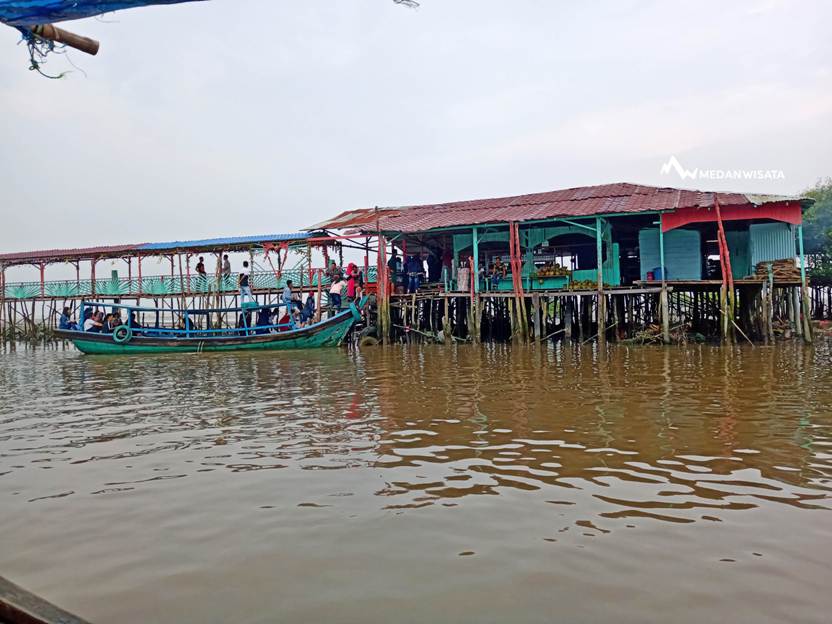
column 51, row 32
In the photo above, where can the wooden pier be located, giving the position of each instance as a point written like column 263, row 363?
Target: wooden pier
column 667, row 265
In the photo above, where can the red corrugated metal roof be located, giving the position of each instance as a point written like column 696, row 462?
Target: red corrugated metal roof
column 80, row 253
column 582, row 201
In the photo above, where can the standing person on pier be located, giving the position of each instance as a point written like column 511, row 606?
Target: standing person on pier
column 200, row 268
column 333, row 272
column 447, row 266
column 353, row 281
column 394, row 265
column 415, row 270
column 245, row 284
column 335, row 294
column 290, row 300
column 226, row 266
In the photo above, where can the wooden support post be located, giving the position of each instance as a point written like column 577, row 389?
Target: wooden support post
column 3, row 319
column 473, row 323
column 181, row 282
column 139, row 268
column 602, row 299
column 187, row 270
column 804, row 288
column 475, row 269
column 538, row 331
column 92, row 277
column 42, row 280
column 663, row 298
column 796, row 316
column 320, row 301
column 567, row 318
column 446, row 320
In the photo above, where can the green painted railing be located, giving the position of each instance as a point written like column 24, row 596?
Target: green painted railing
column 160, row 285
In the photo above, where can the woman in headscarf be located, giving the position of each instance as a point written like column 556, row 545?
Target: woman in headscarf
column 353, row 277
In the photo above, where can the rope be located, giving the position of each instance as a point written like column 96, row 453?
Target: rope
column 39, row 48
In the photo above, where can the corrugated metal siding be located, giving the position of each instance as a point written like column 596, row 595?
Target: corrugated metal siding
column 682, row 253
column 771, row 241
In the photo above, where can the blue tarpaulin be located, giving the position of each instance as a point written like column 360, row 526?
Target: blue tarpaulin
column 32, row 12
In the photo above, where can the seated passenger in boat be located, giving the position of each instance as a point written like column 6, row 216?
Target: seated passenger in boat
column 308, row 312
column 297, row 318
column 115, row 321
column 264, row 316
column 66, row 321
column 244, row 320
column 94, row 323
column 105, row 322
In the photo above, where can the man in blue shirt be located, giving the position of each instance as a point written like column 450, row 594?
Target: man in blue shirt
column 66, row 321
column 289, row 299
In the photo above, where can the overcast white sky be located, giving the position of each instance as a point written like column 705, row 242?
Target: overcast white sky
column 237, row 117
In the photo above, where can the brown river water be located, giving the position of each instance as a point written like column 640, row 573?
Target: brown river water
column 422, row 484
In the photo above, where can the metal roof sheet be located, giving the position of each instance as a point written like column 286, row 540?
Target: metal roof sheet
column 116, row 251
column 223, row 242
column 576, row 202
column 56, row 255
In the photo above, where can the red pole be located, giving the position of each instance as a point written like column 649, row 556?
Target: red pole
column 188, row 269
column 42, row 281
column 724, row 248
column 367, row 257
column 139, row 262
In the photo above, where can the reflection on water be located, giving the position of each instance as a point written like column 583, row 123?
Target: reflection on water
column 422, row 484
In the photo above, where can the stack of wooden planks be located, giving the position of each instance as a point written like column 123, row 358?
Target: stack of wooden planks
column 783, row 270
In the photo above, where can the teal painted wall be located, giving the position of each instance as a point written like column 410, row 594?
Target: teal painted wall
column 740, row 256
column 682, row 253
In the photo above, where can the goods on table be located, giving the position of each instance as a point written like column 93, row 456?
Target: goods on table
column 584, row 285
column 781, row 269
column 551, row 270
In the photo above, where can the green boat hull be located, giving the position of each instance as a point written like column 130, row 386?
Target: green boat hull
column 328, row 333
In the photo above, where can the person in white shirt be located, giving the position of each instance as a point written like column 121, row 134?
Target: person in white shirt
column 335, row 294
column 93, row 323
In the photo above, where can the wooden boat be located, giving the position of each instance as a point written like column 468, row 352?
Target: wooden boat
column 135, row 338
column 18, row 606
